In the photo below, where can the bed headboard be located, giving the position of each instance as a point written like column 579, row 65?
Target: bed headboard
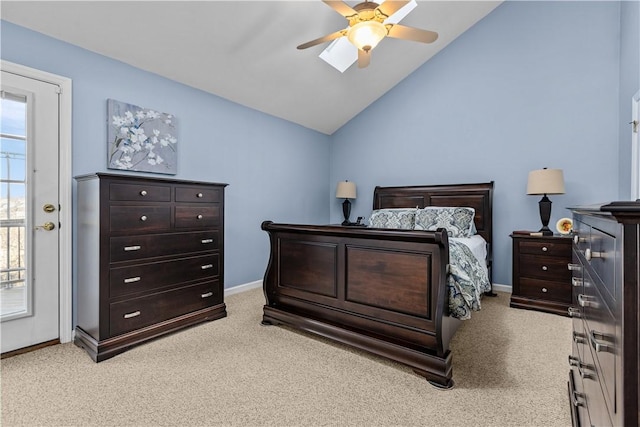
column 477, row 196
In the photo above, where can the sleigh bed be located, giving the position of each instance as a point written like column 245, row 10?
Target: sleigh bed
column 384, row 291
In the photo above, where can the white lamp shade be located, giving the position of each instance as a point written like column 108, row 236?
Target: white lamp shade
column 366, row 35
column 545, row 181
column 346, row 190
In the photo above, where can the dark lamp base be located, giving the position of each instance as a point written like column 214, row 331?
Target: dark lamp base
column 546, row 231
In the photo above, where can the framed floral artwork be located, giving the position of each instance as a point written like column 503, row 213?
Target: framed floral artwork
column 140, row 139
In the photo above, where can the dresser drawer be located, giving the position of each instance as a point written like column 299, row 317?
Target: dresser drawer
column 602, row 257
column 154, row 275
column 139, row 218
column 198, row 195
column 140, row 192
column 130, row 248
column 548, row 248
column 197, row 216
column 545, row 268
column 546, row 290
column 592, row 381
column 600, row 331
column 137, row 313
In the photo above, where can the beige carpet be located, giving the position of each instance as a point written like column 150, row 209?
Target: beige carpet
column 510, row 369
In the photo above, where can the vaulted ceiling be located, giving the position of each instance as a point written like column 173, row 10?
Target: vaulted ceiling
column 245, row 51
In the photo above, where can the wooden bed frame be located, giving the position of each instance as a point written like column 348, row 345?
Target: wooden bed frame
column 380, row 290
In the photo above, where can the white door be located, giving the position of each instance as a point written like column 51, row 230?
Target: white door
column 29, row 212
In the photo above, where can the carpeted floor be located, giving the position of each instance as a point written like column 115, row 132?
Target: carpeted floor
column 509, row 365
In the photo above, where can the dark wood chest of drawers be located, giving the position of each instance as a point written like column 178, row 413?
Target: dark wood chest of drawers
column 541, row 280
column 150, row 259
column 604, row 375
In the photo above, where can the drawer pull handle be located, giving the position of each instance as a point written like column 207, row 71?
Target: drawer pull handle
column 199, row 217
column 544, row 290
column 545, row 268
column 575, row 399
column 143, row 193
column 578, row 337
column 199, row 195
column 574, row 361
column 132, row 248
column 206, row 267
column 130, row 315
column 574, row 267
column 589, row 254
column 582, row 370
column 586, row 301
column 207, row 295
column 544, row 249
column 132, row 279
column 574, row 312
column 207, row 241
column 600, row 342
column 143, row 218
column 576, row 281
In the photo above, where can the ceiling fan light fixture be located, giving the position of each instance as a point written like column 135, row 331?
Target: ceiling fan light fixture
column 366, row 35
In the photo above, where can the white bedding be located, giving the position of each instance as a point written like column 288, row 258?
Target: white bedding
column 478, row 247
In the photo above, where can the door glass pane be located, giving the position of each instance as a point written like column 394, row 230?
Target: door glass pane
column 13, row 220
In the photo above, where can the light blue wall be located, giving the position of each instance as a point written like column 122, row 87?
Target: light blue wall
column 629, row 86
column 532, row 85
column 275, row 170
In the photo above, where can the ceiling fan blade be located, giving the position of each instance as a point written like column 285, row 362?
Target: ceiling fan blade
column 390, row 7
column 324, row 39
column 410, row 33
column 341, row 7
column 363, row 58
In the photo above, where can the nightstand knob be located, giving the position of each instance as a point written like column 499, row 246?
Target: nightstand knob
column 143, row 193
column 143, row 218
column 544, row 268
column 544, row 249
column 199, row 217
column 544, row 290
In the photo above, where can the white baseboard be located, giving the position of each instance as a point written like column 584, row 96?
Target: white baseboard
column 502, row 288
column 242, row 288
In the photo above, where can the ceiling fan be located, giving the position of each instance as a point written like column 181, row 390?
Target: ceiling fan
column 367, row 27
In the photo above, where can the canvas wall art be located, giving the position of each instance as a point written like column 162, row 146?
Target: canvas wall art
column 140, row 139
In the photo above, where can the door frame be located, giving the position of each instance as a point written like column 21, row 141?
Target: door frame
column 635, row 149
column 65, row 260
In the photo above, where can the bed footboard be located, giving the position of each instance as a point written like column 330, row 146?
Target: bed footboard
column 382, row 291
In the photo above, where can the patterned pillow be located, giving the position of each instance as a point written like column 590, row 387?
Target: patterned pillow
column 458, row 221
column 393, row 218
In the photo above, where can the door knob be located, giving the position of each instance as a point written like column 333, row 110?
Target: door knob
column 46, row 226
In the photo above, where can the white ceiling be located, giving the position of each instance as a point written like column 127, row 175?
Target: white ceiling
column 245, row 51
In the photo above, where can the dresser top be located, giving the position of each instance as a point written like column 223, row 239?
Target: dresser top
column 141, row 177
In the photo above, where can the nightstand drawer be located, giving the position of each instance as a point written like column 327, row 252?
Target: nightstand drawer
column 542, row 289
column 545, row 268
column 545, row 248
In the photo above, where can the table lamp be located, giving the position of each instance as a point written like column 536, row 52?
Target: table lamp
column 545, row 181
column 346, row 190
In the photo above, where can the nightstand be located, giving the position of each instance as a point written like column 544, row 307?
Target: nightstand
column 541, row 278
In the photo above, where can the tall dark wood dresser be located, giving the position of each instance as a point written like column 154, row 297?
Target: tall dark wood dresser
column 150, row 258
column 603, row 380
